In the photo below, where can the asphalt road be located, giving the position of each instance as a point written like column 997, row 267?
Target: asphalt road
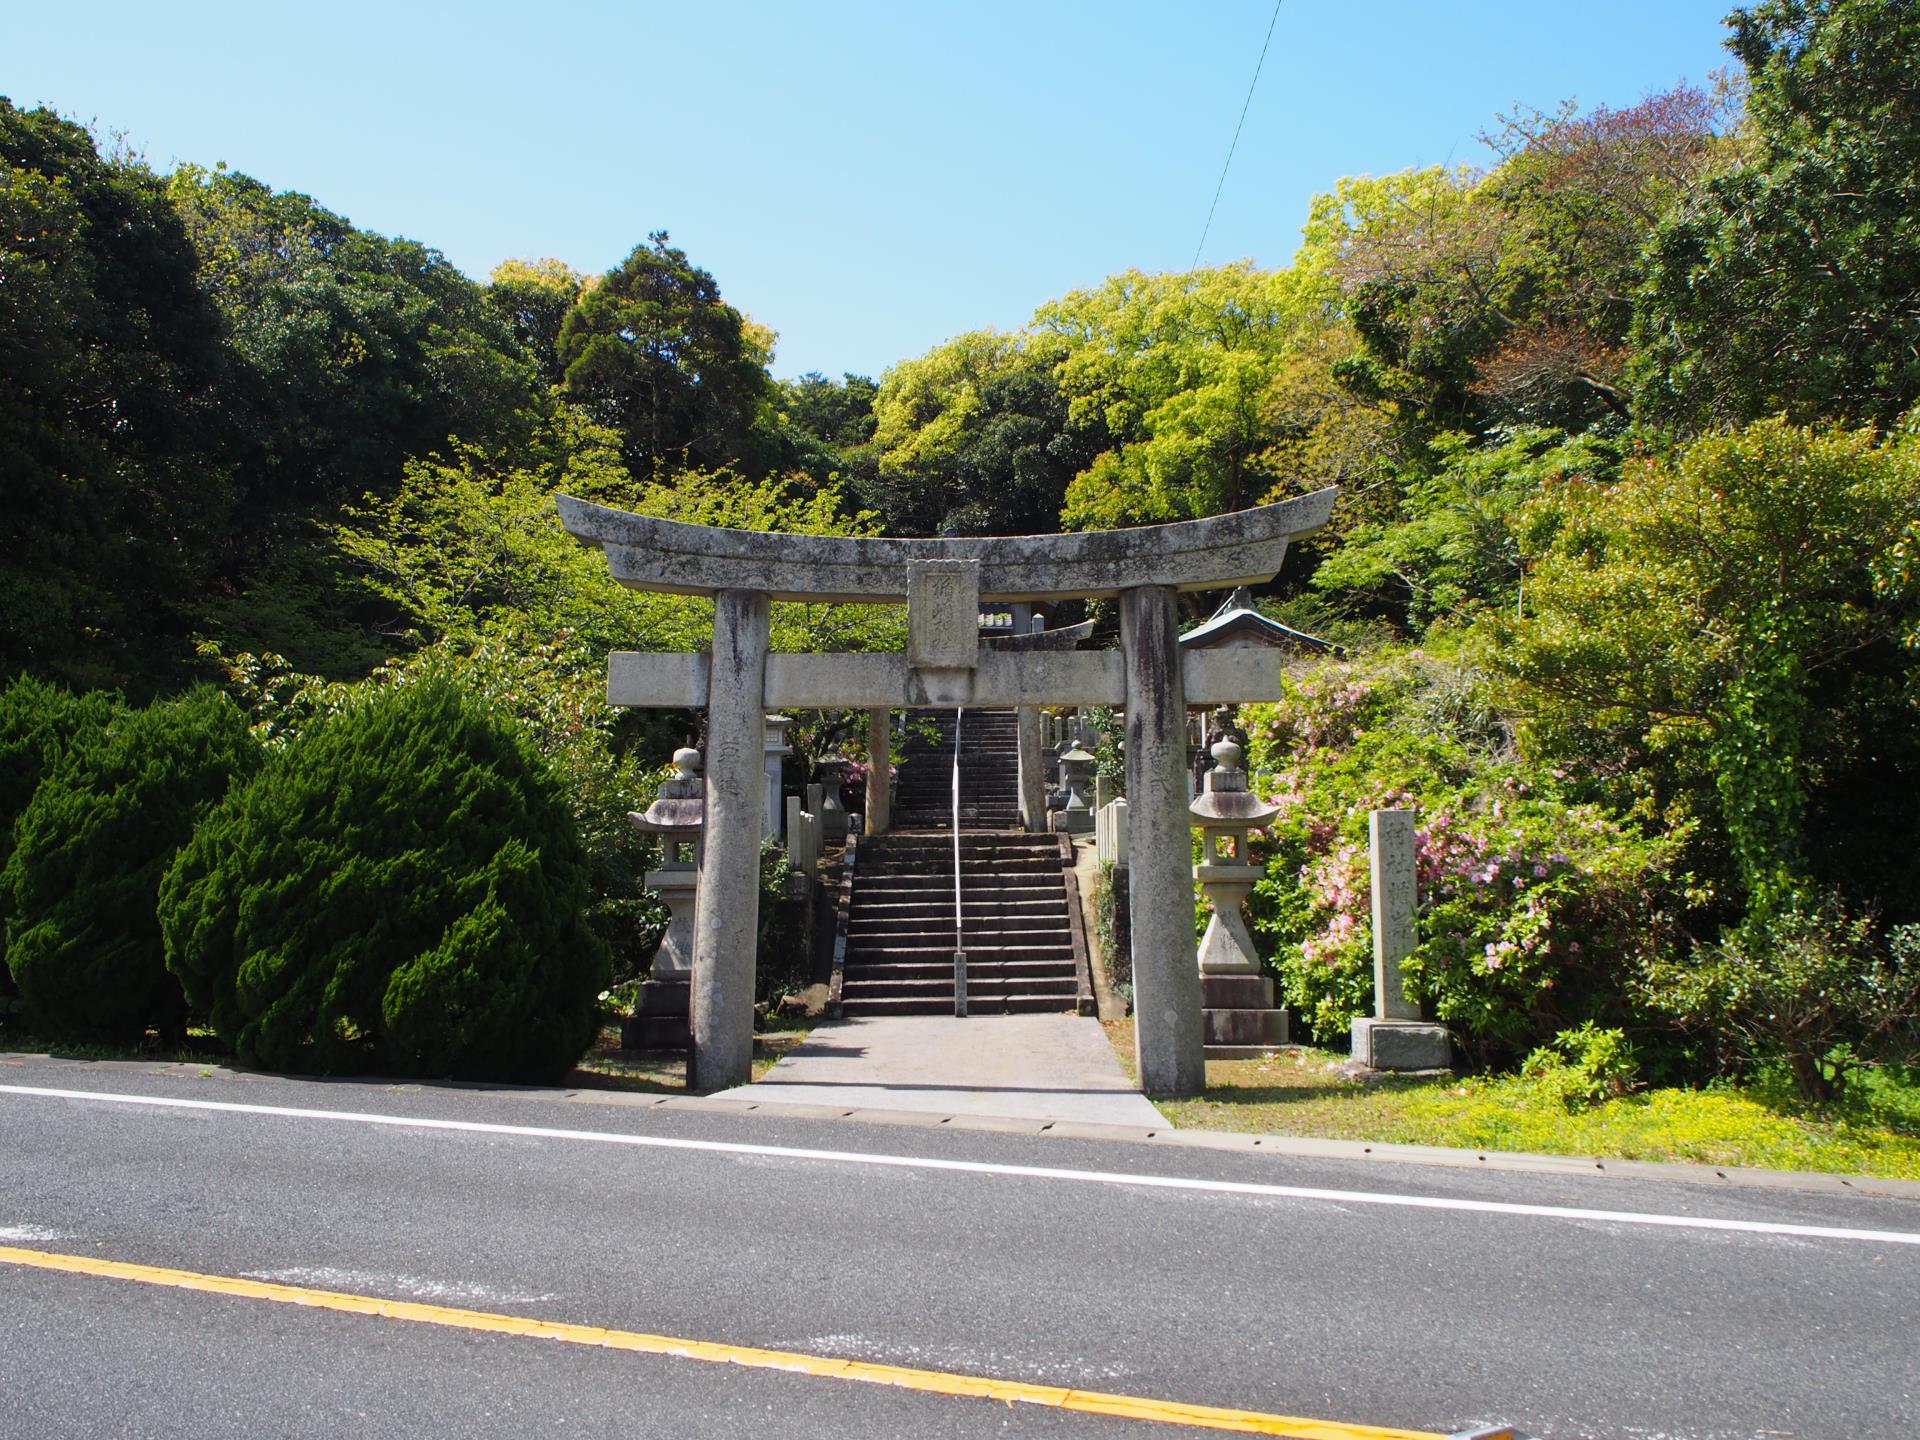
column 1364, row 1305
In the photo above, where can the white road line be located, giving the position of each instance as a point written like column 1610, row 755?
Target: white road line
column 982, row 1167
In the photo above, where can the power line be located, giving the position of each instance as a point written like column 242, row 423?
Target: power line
column 1236, row 134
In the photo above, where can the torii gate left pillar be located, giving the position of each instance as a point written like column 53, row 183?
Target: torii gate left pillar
column 726, row 906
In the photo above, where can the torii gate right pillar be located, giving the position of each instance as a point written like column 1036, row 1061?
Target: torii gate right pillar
column 1168, row 1036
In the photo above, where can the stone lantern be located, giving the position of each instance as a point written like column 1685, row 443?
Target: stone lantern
column 1236, row 993
column 832, row 812
column 1076, row 767
column 678, row 817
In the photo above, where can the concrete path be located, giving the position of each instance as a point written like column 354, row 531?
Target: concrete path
column 1031, row 1067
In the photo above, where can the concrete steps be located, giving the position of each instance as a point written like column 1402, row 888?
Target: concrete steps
column 1017, row 926
column 989, row 772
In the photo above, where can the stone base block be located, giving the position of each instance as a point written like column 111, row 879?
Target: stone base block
column 1401, row 1045
column 1243, row 1031
column 1239, row 1016
column 1236, row 992
column 1073, row 822
column 661, row 1017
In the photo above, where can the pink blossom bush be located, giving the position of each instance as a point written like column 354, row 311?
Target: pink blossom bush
column 1533, row 909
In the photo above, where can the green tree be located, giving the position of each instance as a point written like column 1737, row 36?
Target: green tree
column 654, row 352
column 828, row 429
column 1493, row 299
column 352, row 352
column 349, row 355
column 1708, row 632
column 403, row 889
column 535, row 298
column 111, row 464
column 89, row 850
column 1794, row 283
column 1209, row 386
column 976, row 438
column 1453, row 545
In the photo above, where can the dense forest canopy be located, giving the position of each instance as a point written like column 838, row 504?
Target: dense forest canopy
column 1625, row 425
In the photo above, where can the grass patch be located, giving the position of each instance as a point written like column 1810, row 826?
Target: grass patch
column 1875, row 1130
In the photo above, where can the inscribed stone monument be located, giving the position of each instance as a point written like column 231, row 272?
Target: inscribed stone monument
column 1395, row 1038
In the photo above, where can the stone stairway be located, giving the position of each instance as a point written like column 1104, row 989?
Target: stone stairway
column 989, row 772
column 1025, row 948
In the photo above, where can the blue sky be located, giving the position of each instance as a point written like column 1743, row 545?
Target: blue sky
column 867, row 179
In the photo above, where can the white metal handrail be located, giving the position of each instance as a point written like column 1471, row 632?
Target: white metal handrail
column 959, row 933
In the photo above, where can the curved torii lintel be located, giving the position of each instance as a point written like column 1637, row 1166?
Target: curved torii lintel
column 1243, row 547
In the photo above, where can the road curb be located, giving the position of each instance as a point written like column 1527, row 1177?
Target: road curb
column 1719, row 1176
column 1725, row 1177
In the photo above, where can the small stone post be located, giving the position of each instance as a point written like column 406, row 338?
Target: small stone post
column 1166, row 975
column 1395, row 1038
column 775, row 751
column 727, row 908
column 1033, row 770
column 879, row 771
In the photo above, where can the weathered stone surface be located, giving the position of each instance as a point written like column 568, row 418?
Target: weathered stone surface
column 1229, row 677
column 1243, row 547
column 943, row 614
column 1065, row 638
column 1395, row 885
column 639, row 677
column 832, row 810
column 677, row 888
column 660, row 1017
column 771, row 773
column 1166, row 975
column 1261, row 1029
column 803, row 835
column 728, row 904
column 1401, row 1044
column 1237, row 992
column 1033, row 771
column 879, row 772
column 1001, row 679
column 677, row 815
column 1225, row 810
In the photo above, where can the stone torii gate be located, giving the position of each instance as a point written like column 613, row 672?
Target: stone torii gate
column 943, row 583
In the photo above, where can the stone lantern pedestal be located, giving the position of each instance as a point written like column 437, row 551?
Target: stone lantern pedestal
column 1237, row 997
column 660, row 1019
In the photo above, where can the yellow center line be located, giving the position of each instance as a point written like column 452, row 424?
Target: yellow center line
column 933, row 1382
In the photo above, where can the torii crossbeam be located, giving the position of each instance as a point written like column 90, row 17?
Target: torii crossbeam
column 943, row 583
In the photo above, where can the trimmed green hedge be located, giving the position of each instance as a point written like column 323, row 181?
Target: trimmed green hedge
column 38, row 724
column 89, row 851
column 402, row 891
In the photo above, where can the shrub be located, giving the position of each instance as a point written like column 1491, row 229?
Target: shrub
column 1807, row 985
column 562, row 706
column 403, row 890
column 1532, row 906
column 1584, row 1066
column 39, row 723
column 783, row 949
column 84, row 943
